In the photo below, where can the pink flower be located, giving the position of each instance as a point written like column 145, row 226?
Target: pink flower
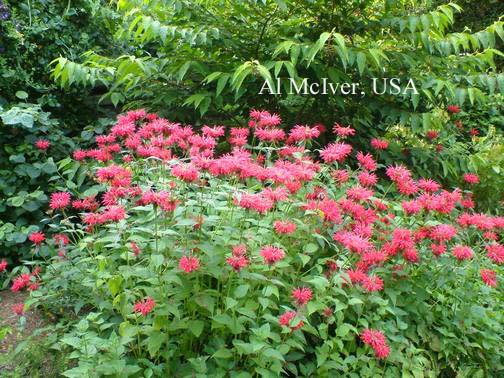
column 343, row 132
column 59, row 200
column 301, row 295
column 37, row 237
column 189, row 264
column 42, row 144
column 18, row 308
column 272, row 254
column 284, row 227
column 185, row 172
column 462, row 252
column 79, row 155
column 302, row 133
column 495, row 252
column 286, row 318
column 379, row 144
column 145, row 306
column 489, row 277
column 335, row 152
column 443, row 232
column 237, row 262
column 471, row 178
column 438, row 249
column 366, row 161
column 376, row 340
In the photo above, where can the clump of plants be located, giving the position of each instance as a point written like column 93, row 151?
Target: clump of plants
column 274, row 258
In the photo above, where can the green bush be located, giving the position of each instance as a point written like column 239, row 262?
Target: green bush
column 182, row 262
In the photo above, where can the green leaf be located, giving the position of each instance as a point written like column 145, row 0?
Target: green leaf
column 22, row 95
column 241, row 291
column 154, row 342
column 196, row 327
column 114, row 284
column 361, row 62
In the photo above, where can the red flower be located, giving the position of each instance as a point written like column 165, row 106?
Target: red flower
column 272, row 254
column 286, row 318
column 37, row 237
column 20, row 282
column 495, row 252
column 145, row 306
column 372, row 283
column 284, row 227
column 3, row 265
column 135, row 248
column 59, row 200
column 189, row 263
column 454, row 109
column 471, row 178
column 376, row 340
column 301, row 295
column 61, row 240
column 237, row 262
column 432, row 134
column 462, row 252
column 489, row 277
column 42, row 144
column 18, row 308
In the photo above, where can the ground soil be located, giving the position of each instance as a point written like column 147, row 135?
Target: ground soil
column 9, row 319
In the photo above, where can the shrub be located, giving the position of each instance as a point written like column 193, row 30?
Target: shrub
column 275, row 258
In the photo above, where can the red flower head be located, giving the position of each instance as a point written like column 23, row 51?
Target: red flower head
column 135, row 248
column 59, row 200
column 37, row 237
column 145, row 306
column 471, row 178
column 454, row 109
column 3, row 265
column 286, row 318
column 432, row 134
column 237, row 262
column 18, row 308
column 376, row 340
column 301, row 295
column 462, row 252
column 272, row 254
column 489, row 277
column 284, row 227
column 189, row 263
column 42, row 144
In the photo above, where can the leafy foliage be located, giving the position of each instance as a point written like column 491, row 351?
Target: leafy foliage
column 32, row 107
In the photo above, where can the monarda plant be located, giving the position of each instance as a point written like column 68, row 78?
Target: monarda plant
column 274, row 258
